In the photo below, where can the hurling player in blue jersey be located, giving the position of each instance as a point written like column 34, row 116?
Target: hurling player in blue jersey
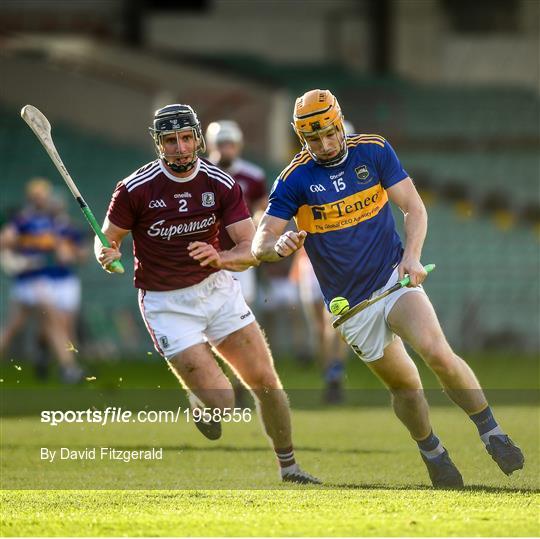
column 338, row 190
column 35, row 239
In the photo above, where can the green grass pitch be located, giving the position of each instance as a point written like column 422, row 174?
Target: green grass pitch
column 375, row 483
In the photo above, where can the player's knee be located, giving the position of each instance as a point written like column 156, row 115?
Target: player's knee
column 264, row 378
column 408, row 396
column 218, row 398
column 439, row 356
column 227, row 400
column 407, row 388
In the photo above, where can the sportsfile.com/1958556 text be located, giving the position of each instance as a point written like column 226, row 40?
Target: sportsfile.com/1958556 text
column 113, row 414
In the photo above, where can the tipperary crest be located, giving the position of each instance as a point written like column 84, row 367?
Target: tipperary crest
column 208, row 200
column 362, row 173
column 164, row 342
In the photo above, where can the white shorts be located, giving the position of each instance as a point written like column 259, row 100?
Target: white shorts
column 67, row 293
column 367, row 333
column 33, row 292
column 206, row 312
column 63, row 293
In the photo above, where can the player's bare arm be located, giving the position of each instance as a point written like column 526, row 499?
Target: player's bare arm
column 239, row 258
column 272, row 244
column 107, row 255
column 405, row 195
column 8, row 237
column 257, row 209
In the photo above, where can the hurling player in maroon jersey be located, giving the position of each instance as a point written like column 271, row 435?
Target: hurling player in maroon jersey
column 174, row 208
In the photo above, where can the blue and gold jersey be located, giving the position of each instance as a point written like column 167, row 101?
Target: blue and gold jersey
column 352, row 240
column 38, row 236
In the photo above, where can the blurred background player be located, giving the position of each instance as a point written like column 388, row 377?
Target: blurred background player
column 36, row 247
column 225, row 141
column 72, row 251
column 329, row 349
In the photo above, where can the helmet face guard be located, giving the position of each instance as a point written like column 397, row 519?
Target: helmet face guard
column 317, row 117
column 175, row 119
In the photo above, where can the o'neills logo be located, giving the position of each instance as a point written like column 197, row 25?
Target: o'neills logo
column 167, row 232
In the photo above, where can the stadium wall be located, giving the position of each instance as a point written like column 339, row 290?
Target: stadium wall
column 112, row 91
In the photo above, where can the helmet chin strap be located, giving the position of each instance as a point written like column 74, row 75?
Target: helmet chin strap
column 180, row 168
column 340, row 158
column 334, row 161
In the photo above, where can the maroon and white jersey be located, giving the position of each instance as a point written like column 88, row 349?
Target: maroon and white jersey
column 252, row 180
column 165, row 214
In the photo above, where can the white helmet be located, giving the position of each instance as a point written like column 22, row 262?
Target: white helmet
column 223, row 131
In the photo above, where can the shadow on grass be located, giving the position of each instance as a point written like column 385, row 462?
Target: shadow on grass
column 297, row 449
column 211, row 448
column 500, row 490
column 484, row 489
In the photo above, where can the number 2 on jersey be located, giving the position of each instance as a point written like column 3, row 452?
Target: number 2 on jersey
column 182, row 205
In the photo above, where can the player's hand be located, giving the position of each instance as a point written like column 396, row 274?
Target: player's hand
column 414, row 268
column 204, row 253
column 107, row 255
column 290, row 242
column 65, row 253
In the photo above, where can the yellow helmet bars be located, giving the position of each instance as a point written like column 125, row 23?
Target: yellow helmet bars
column 316, row 111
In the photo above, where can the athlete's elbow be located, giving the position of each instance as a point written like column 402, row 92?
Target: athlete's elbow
column 259, row 254
column 422, row 213
column 416, row 212
column 255, row 248
column 248, row 262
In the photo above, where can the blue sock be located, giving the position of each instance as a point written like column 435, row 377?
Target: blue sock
column 486, row 424
column 431, row 446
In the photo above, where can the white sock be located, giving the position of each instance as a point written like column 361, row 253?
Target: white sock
column 434, row 452
column 492, row 432
column 289, row 469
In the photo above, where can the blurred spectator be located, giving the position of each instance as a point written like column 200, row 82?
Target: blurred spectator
column 35, row 245
column 225, row 141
